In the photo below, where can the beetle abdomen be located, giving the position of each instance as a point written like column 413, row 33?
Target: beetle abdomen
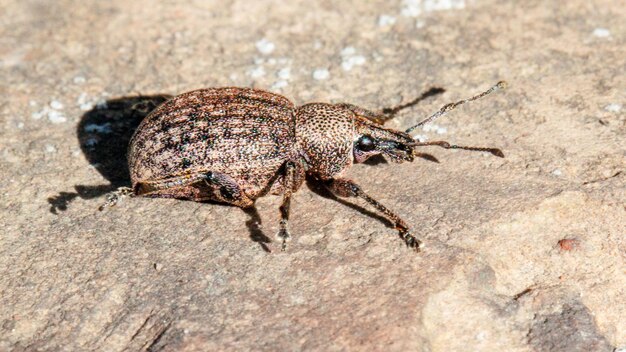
column 247, row 134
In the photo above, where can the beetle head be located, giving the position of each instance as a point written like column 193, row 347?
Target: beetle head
column 373, row 139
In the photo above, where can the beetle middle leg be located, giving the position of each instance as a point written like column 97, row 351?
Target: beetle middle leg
column 347, row 188
column 288, row 185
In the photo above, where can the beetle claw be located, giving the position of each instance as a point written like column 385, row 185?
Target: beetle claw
column 284, row 236
column 411, row 241
column 116, row 196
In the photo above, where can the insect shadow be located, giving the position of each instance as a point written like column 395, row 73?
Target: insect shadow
column 103, row 135
column 105, row 131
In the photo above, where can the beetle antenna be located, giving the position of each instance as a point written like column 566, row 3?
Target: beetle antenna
column 495, row 151
column 452, row 106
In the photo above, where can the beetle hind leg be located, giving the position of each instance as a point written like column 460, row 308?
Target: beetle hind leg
column 198, row 187
column 225, row 189
column 114, row 197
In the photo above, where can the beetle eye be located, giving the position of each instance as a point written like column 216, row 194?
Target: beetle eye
column 366, row 143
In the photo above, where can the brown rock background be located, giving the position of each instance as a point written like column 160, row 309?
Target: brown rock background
column 495, row 274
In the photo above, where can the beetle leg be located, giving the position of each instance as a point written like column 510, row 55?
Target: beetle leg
column 379, row 118
column 149, row 187
column 228, row 188
column 116, row 196
column 347, row 188
column 288, row 183
column 389, row 113
column 225, row 187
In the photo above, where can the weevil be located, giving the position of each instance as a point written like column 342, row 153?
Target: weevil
column 234, row 145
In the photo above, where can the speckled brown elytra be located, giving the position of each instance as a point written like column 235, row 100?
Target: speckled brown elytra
column 234, row 145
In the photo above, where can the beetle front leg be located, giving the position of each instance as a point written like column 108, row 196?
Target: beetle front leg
column 288, row 181
column 348, row 188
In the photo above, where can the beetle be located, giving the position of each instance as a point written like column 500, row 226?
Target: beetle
column 234, row 145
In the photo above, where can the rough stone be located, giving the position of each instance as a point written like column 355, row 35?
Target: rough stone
column 162, row 274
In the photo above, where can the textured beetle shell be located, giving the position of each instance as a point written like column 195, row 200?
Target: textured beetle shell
column 325, row 136
column 246, row 134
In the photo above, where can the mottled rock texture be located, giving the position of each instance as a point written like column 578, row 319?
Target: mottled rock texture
column 526, row 253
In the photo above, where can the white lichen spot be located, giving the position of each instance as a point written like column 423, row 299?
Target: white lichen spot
column 557, row 172
column 321, row 74
column 79, row 80
column 442, row 5
column 51, row 112
column 420, row 138
column 32, row 103
column 256, row 72
column 264, row 46
column 386, row 20
column 20, row 125
column 56, row 116
column 347, row 51
column 82, row 98
column 271, row 61
column 349, row 58
column 411, row 8
column 56, row 105
column 279, row 84
column 284, row 73
column 101, row 104
column 49, row 148
column 95, row 128
column 233, row 77
column 39, row 114
column 434, row 128
column 83, row 102
column 601, row 33
column 414, row 8
column 613, row 107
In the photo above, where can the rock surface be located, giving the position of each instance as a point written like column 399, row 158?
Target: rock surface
column 526, row 253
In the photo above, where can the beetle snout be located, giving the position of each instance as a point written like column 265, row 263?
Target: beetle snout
column 397, row 151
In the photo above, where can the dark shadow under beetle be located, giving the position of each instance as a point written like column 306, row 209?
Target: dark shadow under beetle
column 104, row 133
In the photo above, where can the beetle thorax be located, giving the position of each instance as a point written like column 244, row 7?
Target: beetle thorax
column 325, row 136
